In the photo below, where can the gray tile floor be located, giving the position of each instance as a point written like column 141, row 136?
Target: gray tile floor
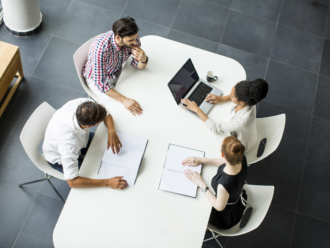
column 283, row 41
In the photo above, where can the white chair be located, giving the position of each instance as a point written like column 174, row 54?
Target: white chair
column 80, row 58
column 31, row 136
column 259, row 199
column 272, row 129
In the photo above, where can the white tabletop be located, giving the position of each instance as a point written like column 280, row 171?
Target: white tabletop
column 144, row 216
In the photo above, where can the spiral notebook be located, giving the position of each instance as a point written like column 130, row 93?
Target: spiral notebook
column 173, row 179
column 127, row 162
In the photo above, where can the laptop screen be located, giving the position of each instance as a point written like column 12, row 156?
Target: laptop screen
column 183, row 81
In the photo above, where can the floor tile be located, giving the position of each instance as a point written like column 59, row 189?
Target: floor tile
column 297, row 48
column 56, row 64
column 310, row 232
column 52, row 13
column 249, row 33
column 213, row 243
column 305, row 16
column 223, row 3
column 201, row 19
column 146, row 28
column 275, row 231
column 79, row 23
column 33, row 93
column 315, row 186
column 193, row 41
column 266, row 9
column 284, row 173
column 254, row 65
column 38, row 228
column 297, row 124
column 161, row 12
column 61, row 186
column 16, row 167
column 14, row 206
column 31, row 48
column 325, row 62
column 319, row 145
column 321, row 106
column 114, row 5
column 327, row 27
column 285, row 81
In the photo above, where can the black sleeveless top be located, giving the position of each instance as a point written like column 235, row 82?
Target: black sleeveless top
column 233, row 184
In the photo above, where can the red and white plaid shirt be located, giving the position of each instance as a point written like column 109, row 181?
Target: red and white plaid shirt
column 105, row 60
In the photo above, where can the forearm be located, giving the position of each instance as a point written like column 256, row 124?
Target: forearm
column 141, row 65
column 213, row 161
column 226, row 98
column 201, row 115
column 83, row 182
column 115, row 95
column 109, row 123
column 209, row 195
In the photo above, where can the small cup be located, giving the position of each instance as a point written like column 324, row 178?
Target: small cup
column 210, row 77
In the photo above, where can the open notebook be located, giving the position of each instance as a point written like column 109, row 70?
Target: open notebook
column 127, row 162
column 173, row 178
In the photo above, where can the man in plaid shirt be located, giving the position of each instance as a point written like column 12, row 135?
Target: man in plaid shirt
column 107, row 55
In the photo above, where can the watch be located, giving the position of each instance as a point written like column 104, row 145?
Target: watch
column 204, row 189
column 146, row 61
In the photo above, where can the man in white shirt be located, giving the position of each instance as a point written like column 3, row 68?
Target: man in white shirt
column 67, row 137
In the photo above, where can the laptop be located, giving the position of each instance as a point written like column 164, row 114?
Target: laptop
column 187, row 84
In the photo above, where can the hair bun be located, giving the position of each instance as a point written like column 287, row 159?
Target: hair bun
column 237, row 148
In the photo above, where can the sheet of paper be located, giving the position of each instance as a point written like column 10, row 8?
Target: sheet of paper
column 177, row 182
column 130, row 154
column 109, row 170
column 175, row 156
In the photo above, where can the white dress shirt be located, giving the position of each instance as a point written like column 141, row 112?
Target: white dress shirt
column 64, row 138
column 241, row 125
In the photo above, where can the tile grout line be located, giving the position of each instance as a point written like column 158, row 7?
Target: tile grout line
column 123, row 8
column 288, row 108
column 57, row 84
column 25, row 219
column 314, row 217
column 224, row 29
column 271, row 50
column 176, row 13
column 194, row 36
column 96, row 6
column 58, row 37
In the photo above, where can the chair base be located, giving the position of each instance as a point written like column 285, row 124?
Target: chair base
column 47, row 177
column 214, row 236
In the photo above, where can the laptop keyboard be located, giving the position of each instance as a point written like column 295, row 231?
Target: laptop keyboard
column 199, row 94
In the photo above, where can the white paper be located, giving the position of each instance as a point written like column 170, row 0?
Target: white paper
column 109, row 170
column 177, row 182
column 173, row 178
column 130, row 154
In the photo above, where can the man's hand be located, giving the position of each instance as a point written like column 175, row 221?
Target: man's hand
column 114, row 142
column 139, row 54
column 211, row 98
column 190, row 105
column 132, row 106
column 117, row 183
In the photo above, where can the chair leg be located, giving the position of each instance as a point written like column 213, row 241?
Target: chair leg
column 20, row 185
column 214, row 237
column 50, row 183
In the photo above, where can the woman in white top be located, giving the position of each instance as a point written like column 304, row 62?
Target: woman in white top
column 242, row 123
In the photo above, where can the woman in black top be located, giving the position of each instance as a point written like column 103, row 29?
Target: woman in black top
column 229, row 202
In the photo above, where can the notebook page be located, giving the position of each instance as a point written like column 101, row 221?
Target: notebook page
column 177, row 182
column 130, row 154
column 109, row 170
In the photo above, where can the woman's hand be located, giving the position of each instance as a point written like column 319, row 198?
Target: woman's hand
column 190, row 105
column 195, row 178
column 192, row 161
column 211, row 98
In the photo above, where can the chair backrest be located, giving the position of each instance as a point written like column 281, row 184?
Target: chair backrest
column 272, row 129
column 33, row 133
column 259, row 198
column 80, row 58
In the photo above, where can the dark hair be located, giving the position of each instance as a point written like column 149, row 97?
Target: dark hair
column 90, row 113
column 233, row 150
column 125, row 27
column 251, row 92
